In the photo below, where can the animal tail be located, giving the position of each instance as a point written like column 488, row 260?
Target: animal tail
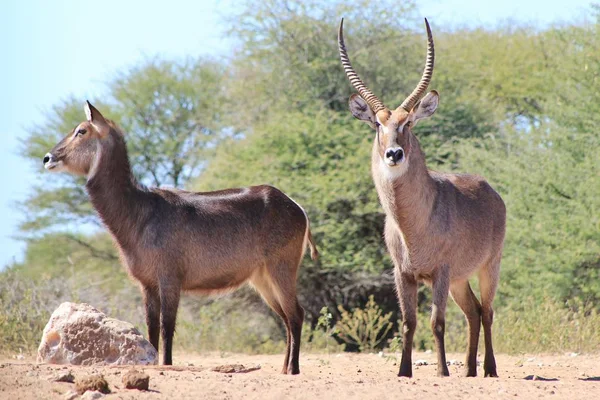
column 314, row 253
column 308, row 239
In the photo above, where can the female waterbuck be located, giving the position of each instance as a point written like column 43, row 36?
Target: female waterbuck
column 172, row 240
column 439, row 228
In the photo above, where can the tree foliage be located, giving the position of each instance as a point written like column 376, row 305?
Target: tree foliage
column 519, row 106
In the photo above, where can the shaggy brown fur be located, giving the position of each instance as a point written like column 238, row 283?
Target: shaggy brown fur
column 172, row 240
column 440, row 228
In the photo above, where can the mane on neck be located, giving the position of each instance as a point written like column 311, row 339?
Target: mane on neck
column 114, row 192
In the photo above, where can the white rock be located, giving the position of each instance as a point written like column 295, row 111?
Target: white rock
column 79, row 334
column 418, row 363
column 91, row 395
column 71, row 395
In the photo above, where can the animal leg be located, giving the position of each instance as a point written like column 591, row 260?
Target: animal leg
column 261, row 283
column 169, row 302
column 283, row 279
column 488, row 282
column 440, row 287
column 407, row 296
column 152, row 306
column 470, row 306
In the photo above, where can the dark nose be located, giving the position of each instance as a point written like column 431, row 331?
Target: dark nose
column 46, row 158
column 395, row 154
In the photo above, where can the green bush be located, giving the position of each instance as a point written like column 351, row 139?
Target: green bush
column 321, row 338
column 365, row 328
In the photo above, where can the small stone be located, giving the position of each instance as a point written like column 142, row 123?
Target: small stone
column 418, row 363
column 134, row 379
column 92, row 395
column 63, row 377
column 71, row 395
column 92, row 383
column 235, row 368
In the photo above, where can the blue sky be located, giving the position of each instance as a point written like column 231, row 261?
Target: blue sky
column 51, row 50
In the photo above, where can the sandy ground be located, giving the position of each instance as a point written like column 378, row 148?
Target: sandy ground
column 336, row 376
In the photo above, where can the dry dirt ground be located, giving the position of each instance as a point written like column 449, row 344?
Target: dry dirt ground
column 336, row 376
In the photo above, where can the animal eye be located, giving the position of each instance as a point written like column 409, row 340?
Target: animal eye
column 81, row 132
column 408, row 124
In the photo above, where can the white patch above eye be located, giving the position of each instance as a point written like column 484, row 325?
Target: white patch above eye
column 77, row 128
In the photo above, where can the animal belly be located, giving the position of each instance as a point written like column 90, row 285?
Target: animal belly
column 217, row 278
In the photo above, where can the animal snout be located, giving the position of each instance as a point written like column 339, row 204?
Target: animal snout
column 50, row 162
column 395, row 154
column 47, row 158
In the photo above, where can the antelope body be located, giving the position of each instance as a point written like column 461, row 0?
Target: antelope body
column 172, row 240
column 439, row 228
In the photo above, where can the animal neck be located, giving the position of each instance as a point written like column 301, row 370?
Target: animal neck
column 114, row 192
column 407, row 194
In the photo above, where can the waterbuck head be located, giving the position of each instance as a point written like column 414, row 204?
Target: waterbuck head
column 77, row 152
column 394, row 137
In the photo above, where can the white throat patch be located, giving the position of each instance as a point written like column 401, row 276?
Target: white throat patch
column 392, row 173
column 96, row 161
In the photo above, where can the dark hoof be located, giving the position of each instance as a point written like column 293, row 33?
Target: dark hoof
column 491, row 374
column 290, row 371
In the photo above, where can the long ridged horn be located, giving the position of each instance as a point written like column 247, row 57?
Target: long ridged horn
column 372, row 100
column 410, row 101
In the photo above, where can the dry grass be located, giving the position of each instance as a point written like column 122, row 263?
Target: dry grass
column 230, row 325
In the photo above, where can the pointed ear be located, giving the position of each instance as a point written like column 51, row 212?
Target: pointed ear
column 361, row 110
column 427, row 106
column 96, row 119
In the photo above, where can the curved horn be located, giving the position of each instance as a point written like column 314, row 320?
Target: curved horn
column 410, row 101
column 372, row 100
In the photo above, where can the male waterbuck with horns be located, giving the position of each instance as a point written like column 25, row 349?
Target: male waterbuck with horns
column 172, row 240
column 439, row 228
